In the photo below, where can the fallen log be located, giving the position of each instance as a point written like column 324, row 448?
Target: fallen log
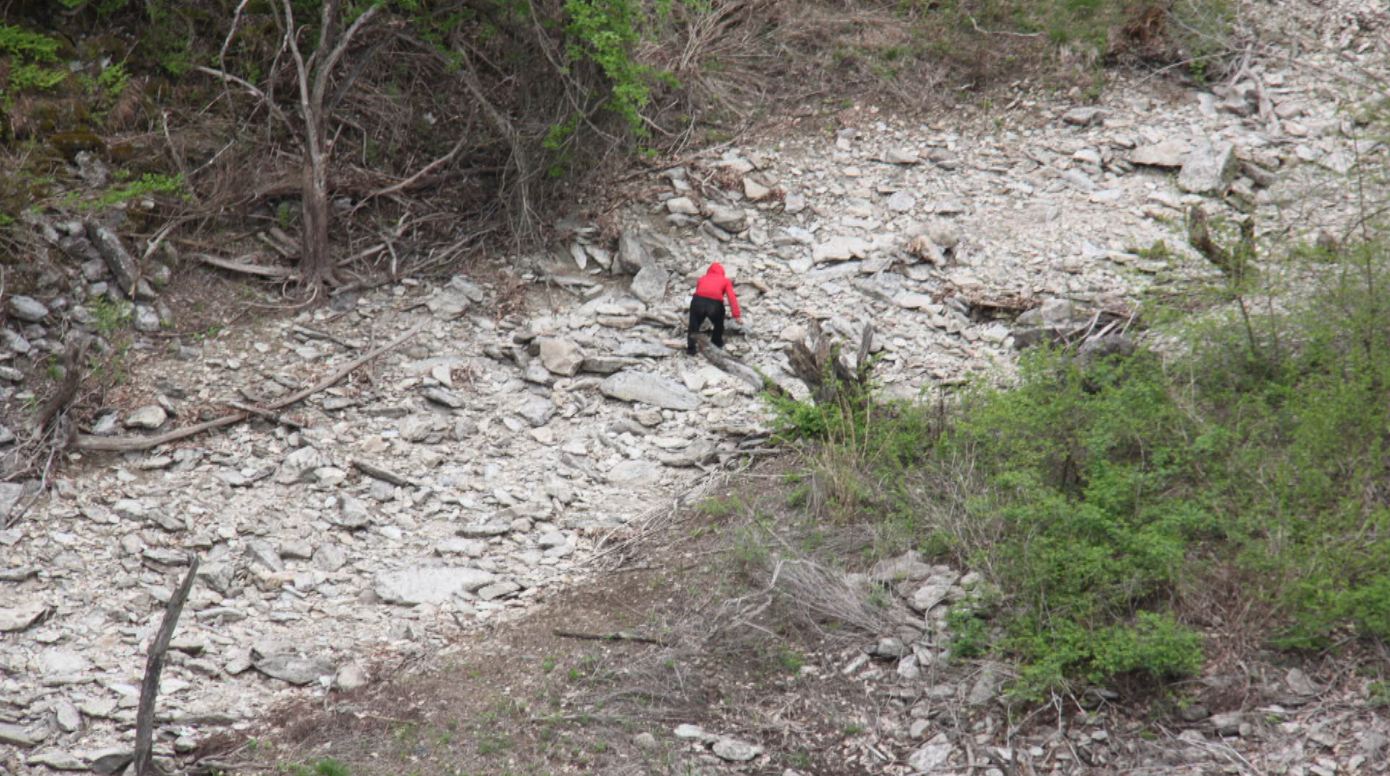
column 129, row 443
column 258, row 270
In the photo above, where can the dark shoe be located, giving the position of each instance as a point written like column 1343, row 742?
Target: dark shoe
column 689, row 352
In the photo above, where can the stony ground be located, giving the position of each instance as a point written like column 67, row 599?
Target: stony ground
column 471, row 473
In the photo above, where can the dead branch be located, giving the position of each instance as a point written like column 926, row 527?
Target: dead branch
column 127, row 444
column 67, row 389
column 406, row 183
column 267, row 414
column 614, row 636
column 154, row 664
column 258, row 270
column 738, row 369
column 378, row 473
column 226, row 78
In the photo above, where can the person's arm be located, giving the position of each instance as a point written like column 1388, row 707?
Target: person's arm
column 733, row 300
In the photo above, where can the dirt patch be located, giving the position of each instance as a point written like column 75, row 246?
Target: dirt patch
column 599, row 679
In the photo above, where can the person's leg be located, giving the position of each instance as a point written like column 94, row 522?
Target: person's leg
column 717, row 318
column 697, row 319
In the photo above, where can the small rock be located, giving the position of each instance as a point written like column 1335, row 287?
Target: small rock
column 498, row 590
column 736, row 751
column 681, row 206
column 932, row 755
column 443, row 397
column 901, row 202
column 754, row 191
column 986, row 687
column 352, row 513
column 146, row 318
column 1227, row 723
column 27, row 308
column 730, row 219
column 69, row 719
column 1084, row 116
column 329, row 557
column 1298, row 682
column 57, row 760
column 151, row 416
column 645, row 741
column 1195, row 712
column 350, row 677
column 635, row 474
column 1208, row 169
column 633, row 254
column 904, row 156
column 22, row 617
column 537, row 411
column 649, row 284
column 840, row 248
column 264, row 553
column 14, row 735
column 561, row 356
column 692, row 732
column 1169, row 154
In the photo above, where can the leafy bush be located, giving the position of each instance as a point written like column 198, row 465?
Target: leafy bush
column 1103, row 498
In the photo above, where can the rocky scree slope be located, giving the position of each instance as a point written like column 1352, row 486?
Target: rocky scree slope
column 456, row 479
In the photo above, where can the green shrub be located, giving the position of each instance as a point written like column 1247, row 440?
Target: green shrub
column 1101, row 497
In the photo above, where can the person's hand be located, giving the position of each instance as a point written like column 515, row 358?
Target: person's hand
column 738, row 319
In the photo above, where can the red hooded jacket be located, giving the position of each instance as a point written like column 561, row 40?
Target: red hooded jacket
column 714, row 286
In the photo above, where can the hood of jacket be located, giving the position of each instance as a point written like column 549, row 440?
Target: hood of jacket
column 716, row 269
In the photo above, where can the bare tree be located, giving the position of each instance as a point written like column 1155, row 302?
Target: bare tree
column 313, row 75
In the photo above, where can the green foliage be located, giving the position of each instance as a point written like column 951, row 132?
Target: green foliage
column 606, row 32
column 111, row 316
column 1103, row 496
column 146, row 185
column 324, row 767
column 112, row 81
column 30, row 77
column 27, row 46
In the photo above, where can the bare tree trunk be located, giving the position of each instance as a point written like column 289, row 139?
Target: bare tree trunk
column 315, row 261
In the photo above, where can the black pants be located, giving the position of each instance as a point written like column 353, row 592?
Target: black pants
column 702, row 309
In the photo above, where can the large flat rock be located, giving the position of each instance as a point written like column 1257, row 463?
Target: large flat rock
column 650, row 389
column 428, row 584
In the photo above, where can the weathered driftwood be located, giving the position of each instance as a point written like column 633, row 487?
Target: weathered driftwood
column 154, row 664
column 129, row 443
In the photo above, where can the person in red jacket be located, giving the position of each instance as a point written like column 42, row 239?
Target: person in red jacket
column 708, row 304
